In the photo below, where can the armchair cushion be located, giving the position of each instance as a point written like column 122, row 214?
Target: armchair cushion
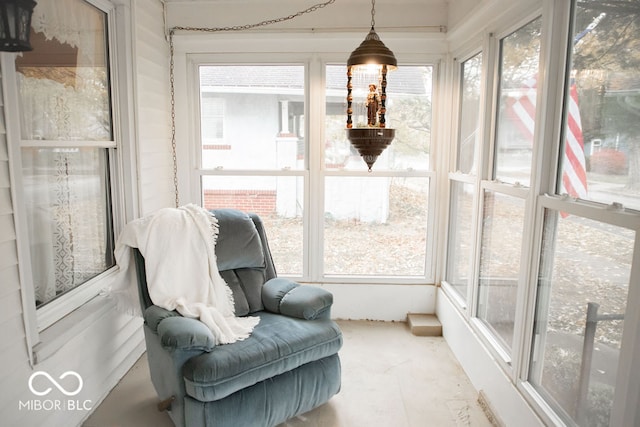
column 246, row 285
column 153, row 315
column 183, row 333
column 287, row 297
column 177, row 332
column 278, row 344
column 240, row 240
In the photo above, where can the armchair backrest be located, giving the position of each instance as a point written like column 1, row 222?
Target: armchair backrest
column 243, row 257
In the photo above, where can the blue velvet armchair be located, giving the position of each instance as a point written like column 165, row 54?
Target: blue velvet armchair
column 288, row 366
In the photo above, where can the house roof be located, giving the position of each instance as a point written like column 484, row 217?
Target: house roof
column 407, row 80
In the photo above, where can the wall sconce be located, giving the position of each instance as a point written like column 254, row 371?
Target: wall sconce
column 367, row 67
column 15, row 25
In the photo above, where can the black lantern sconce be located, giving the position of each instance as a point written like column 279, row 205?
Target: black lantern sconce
column 15, row 25
column 368, row 66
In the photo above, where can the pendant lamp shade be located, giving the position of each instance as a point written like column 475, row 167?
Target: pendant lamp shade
column 369, row 134
column 372, row 51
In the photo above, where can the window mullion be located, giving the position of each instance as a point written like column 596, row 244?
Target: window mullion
column 314, row 233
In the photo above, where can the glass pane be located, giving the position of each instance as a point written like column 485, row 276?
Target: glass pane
column 582, row 299
column 64, row 81
column 461, row 241
column 519, row 61
column 68, row 212
column 502, row 227
column 375, row 226
column 252, row 116
column 601, row 158
column 469, row 132
column 277, row 200
column 408, row 111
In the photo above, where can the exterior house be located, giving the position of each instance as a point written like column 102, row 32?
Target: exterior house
column 123, row 108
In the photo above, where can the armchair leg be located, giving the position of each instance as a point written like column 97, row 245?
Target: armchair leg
column 165, row 404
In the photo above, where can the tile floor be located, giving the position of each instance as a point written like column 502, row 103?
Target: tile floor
column 390, row 378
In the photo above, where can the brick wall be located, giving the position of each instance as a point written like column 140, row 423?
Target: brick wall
column 261, row 202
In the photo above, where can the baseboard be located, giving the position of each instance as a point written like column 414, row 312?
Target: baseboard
column 487, row 408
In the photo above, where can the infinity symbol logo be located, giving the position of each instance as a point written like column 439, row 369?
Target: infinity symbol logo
column 55, row 383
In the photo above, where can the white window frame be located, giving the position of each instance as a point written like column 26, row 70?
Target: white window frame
column 466, row 302
column 625, row 411
column 314, row 173
column 492, row 46
column 49, row 327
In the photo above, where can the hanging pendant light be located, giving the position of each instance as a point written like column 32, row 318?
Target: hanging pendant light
column 15, row 25
column 372, row 60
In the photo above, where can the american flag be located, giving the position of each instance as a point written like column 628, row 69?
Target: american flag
column 574, row 174
column 521, row 108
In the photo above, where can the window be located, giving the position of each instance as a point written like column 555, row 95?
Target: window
column 461, row 245
column 469, row 132
column 262, row 169
column 519, row 61
column 582, row 290
column 212, row 126
column 600, row 160
column 587, row 258
column 504, row 202
column 67, row 143
column 374, row 224
column 552, row 294
column 502, row 228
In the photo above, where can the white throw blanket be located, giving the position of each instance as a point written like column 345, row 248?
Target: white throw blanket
column 178, row 246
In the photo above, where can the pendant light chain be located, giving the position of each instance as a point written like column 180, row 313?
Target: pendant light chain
column 173, row 120
column 373, row 13
column 264, row 23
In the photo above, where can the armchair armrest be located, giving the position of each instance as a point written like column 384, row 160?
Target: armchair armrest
column 291, row 299
column 177, row 332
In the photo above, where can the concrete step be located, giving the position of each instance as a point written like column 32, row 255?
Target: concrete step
column 424, row 325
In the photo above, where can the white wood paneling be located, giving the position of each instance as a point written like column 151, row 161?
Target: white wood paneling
column 153, row 108
column 6, row 226
column 10, row 308
column 10, row 280
column 13, row 356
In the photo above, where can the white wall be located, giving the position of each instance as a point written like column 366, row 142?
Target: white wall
column 343, row 14
column 483, row 370
column 389, row 303
column 469, row 19
column 153, row 108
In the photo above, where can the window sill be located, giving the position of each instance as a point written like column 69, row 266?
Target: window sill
column 57, row 309
column 61, row 332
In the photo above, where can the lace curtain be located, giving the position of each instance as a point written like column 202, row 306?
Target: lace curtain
column 64, row 110
column 66, row 213
column 68, row 21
